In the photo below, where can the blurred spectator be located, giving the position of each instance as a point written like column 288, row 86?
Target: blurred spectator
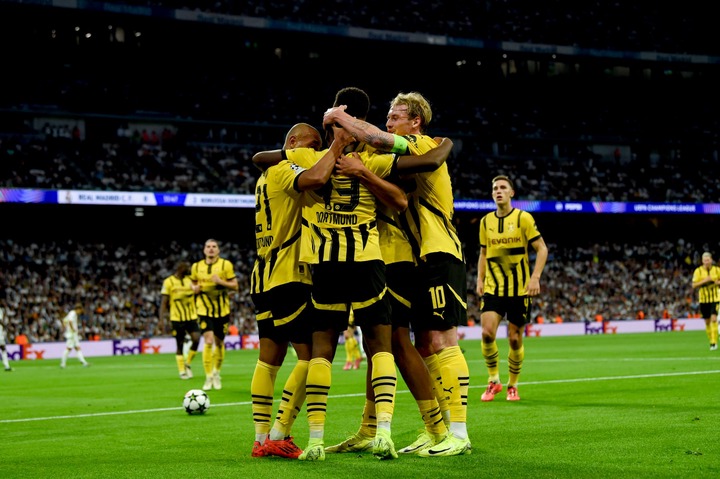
column 22, row 339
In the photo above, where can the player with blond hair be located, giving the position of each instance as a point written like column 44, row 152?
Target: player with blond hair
column 705, row 280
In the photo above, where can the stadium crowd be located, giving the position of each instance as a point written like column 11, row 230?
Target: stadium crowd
column 119, row 284
column 130, row 163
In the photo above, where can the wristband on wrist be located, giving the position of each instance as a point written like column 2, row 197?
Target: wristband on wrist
column 400, row 144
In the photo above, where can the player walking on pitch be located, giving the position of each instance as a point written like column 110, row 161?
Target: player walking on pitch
column 505, row 284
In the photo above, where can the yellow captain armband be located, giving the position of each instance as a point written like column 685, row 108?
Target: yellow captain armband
column 400, row 145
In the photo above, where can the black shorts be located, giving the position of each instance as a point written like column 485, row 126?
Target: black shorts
column 181, row 328
column 284, row 313
column 516, row 309
column 219, row 326
column 402, row 285
column 440, row 300
column 337, row 286
column 708, row 309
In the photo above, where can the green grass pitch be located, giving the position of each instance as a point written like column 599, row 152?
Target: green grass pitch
column 643, row 405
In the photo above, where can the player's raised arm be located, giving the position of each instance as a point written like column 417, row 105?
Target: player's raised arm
column 265, row 159
column 430, row 161
column 365, row 132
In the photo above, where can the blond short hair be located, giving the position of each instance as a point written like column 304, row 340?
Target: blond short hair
column 418, row 107
column 707, row 254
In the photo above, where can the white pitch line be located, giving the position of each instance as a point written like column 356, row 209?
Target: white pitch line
column 401, row 391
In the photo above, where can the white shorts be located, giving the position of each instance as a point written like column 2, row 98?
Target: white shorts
column 72, row 341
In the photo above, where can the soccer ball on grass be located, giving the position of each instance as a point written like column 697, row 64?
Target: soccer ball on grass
column 196, row 401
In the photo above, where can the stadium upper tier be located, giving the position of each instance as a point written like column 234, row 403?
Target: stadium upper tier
column 567, row 127
column 668, row 27
column 216, row 159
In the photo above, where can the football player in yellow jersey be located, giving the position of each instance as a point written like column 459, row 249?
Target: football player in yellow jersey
column 280, row 288
column 353, row 352
column 341, row 242
column 504, row 282
column 426, row 278
column 178, row 303
column 212, row 280
column 705, row 280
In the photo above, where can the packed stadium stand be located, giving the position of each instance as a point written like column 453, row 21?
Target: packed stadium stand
column 119, row 283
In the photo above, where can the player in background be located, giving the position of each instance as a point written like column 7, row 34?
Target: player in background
column 72, row 336
column 213, row 278
column 505, row 283
column 3, row 338
column 178, row 303
column 353, row 353
column 705, row 280
column 426, row 280
column 280, row 288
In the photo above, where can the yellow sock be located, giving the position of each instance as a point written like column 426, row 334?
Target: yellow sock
column 218, row 357
column 456, row 382
column 384, row 383
column 262, row 388
column 491, row 354
column 207, row 357
column 319, row 379
column 293, row 397
column 350, row 345
column 713, row 332
column 355, row 351
column 433, row 365
column 432, row 417
column 515, row 363
column 180, row 363
column 191, row 356
column 368, row 426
